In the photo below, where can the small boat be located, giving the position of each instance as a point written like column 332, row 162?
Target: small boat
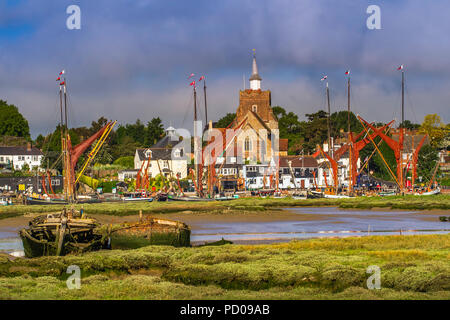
column 263, row 193
column 151, row 231
column 146, row 199
column 387, row 194
column 136, row 196
column 5, row 201
column 314, row 195
column 189, row 199
column 429, row 193
column 46, row 201
column 299, row 196
column 226, row 198
column 162, row 197
column 62, row 233
column 336, row 196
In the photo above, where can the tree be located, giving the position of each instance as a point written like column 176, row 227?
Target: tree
column 339, row 121
column 314, row 130
column 226, row 121
column 427, row 160
column 126, row 162
column 290, row 128
column 409, row 125
column 154, row 131
column 436, row 130
column 51, row 146
column 278, row 112
column 12, row 123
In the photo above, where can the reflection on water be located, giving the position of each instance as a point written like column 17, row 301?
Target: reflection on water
column 9, row 240
column 331, row 222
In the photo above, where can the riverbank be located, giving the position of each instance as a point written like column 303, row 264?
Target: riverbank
column 412, row 267
column 242, row 206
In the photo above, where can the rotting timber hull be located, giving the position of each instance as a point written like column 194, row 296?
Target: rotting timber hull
column 150, row 232
column 74, row 235
column 37, row 248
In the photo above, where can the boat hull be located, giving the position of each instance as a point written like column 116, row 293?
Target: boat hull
column 34, row 248
column 150, row 232
column 36, row 201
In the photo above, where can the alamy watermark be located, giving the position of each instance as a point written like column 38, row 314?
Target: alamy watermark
column 73, row 22
column 374, row 281
column 373, row 22
column 74, row 280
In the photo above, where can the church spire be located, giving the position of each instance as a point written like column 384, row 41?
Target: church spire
column 255, row 79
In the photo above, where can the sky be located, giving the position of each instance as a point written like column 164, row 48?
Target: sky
column 131, row 58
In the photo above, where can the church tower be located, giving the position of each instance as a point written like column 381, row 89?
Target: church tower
column 256, row 101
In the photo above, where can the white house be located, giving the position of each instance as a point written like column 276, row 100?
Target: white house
column 17, row 157
column 294, row 172
column 343, row 168
column 163, row 157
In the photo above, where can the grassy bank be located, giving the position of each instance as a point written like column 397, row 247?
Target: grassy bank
column 412, row 267
column 243, row 205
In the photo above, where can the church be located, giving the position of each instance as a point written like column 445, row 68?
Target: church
column 257, row 140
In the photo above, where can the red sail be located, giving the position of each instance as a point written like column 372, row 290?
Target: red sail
column 78, row 150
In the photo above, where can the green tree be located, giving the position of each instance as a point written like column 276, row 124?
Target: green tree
column 409, row 125
column 435, row 128
column 339, row 121
column 126, row 162
column 226, row 120
column 154, row 132
column 427, row 160
column 52, row 147
column 12, row 123
column 314, row 131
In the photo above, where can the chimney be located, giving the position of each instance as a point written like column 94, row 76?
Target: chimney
column 28, row 146
column 210, row 125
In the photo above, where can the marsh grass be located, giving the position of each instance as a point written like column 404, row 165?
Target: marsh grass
column 412, row 267
column 241, row 206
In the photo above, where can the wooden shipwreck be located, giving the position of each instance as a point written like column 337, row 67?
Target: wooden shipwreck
column 61, row 234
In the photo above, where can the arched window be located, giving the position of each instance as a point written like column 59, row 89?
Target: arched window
column 248, row 144
column 255, row 108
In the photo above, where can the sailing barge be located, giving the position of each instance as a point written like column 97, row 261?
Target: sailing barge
column 62, row 233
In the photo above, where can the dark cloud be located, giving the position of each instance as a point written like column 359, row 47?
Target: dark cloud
column 131, row 58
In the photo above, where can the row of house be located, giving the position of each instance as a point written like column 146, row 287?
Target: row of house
column 15, row 158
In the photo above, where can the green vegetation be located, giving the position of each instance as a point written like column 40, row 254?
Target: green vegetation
column 412, row 267
column 225, row 121
column 243, row 205
column 12, row 123
column 125, row 162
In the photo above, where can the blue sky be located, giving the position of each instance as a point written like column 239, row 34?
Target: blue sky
column 131, row 58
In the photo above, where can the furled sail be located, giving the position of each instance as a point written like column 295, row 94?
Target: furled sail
column 78, row 150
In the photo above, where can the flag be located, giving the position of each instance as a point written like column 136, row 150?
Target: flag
column 58, row 79
column 201, row 78
column 347, row 72
column 324, row 78
column 192, row 83
column 400, row 68
column 62, row 72
column 191, row 75
column 62, row 83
